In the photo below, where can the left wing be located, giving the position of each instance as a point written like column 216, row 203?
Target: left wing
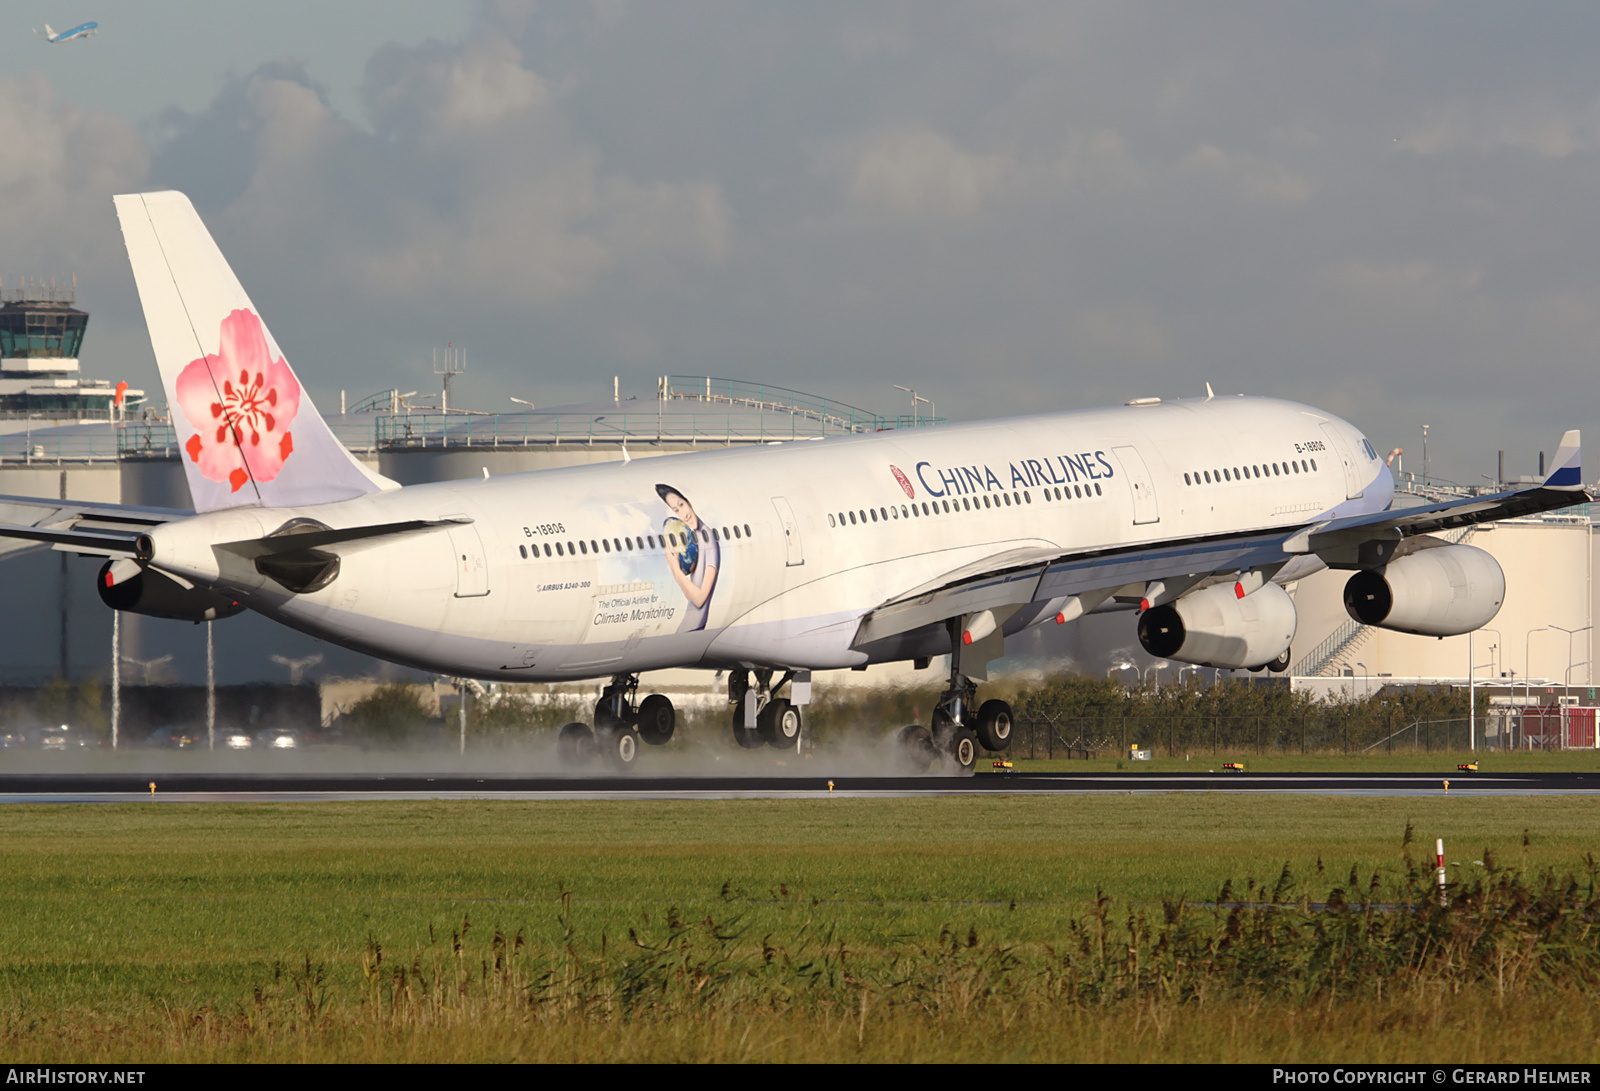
column 77, row 526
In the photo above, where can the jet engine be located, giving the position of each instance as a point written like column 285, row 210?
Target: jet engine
column 150, row 592
column 1442, row 590
column 1217, row 628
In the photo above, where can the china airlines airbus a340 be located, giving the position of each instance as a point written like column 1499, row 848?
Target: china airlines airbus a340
column 770, row 562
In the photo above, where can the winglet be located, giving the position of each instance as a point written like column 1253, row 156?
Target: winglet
column 1568, row 468
column 248, row 430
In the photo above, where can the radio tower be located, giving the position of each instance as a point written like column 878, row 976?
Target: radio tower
column 455, row 363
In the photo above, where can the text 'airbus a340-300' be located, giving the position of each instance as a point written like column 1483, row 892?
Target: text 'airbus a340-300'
column 767, row 563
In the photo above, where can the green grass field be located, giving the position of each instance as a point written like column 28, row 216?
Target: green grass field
column 209, row 931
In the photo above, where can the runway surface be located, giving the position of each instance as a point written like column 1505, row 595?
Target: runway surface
column 287, row 787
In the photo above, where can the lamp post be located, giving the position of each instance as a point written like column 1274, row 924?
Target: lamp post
column 147, row 667
column 1527, row 672
column 1124, row 666
column 1366, row 681
column 1156, row 670
column 915, row 398
column 297, row 667
column 1472, row 684
column 1566, row 684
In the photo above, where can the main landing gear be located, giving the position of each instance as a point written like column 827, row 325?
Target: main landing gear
column 619, row 726
column 759, row 717
column 958, row 730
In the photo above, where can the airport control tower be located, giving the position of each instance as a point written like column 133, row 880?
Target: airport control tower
column 41, row 333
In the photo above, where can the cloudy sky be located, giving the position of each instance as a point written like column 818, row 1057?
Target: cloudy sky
column 1384, row 209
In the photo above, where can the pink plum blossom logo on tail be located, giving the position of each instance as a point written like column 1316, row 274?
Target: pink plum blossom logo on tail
column 240, row 403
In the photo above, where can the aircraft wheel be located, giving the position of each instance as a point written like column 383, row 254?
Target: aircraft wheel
column 994, row 725
column 620, row 747
column 914, row 746
column 962, row 751
column 779, row 724
column 747, row 737
column 1280, row 664
column 657, row 720
column 575, row 745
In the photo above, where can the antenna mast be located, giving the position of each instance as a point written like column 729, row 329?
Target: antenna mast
column 455, row 363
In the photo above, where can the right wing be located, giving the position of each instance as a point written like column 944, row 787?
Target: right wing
column 1018, row 577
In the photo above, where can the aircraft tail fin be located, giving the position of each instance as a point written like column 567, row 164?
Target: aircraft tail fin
column 48, row 33
column 248, row 431
column 1567, row 469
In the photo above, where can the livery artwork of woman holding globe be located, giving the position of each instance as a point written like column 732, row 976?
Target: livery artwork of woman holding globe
column 693, row 557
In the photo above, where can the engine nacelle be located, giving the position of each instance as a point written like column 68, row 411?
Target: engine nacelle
column 1444, row 591
column 156, row 595
column 1217, row 628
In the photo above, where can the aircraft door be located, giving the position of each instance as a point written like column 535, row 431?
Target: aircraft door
column 791, row 532
column 1140, row 484
column 1352, row 477
column 472, row 569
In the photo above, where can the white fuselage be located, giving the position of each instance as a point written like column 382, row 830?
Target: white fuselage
column 564, row 573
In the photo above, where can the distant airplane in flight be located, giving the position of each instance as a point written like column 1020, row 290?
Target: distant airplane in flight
column 82, row 30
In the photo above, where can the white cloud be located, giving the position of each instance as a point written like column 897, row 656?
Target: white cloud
column 918, row 173
column 1548, row 132
column 469, row 189
column 60, row 166
column 1249, row 176
column 442, row 89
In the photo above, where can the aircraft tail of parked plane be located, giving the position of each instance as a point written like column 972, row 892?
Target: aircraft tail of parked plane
column 766, row 562
column 82, row 30
column 247, row 428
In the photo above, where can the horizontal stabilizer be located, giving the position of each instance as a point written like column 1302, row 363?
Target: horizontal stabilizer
column 314, row 539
